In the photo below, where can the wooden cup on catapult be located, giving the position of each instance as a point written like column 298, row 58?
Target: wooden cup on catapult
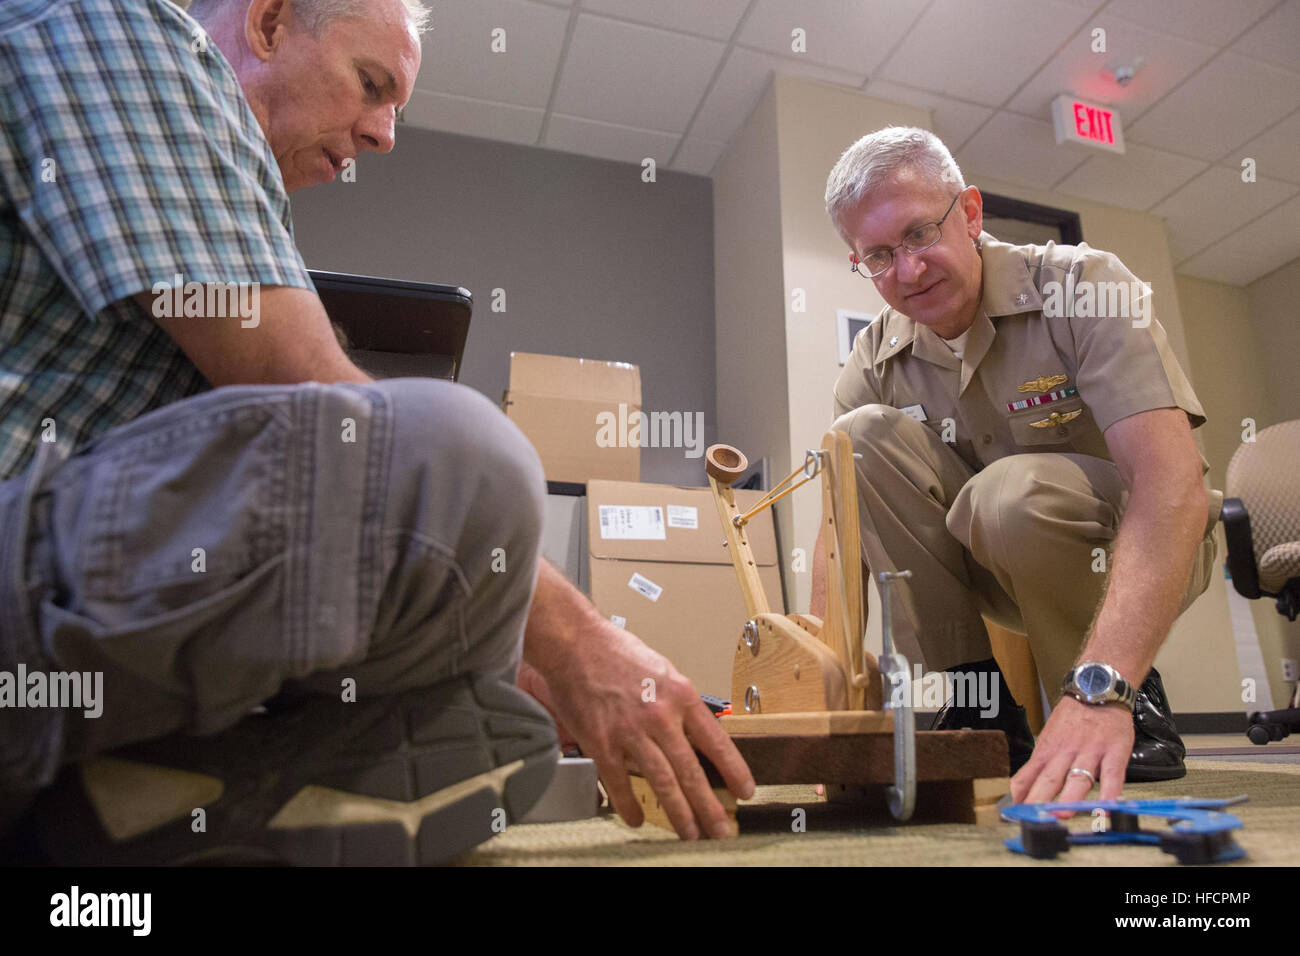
column 807, row 697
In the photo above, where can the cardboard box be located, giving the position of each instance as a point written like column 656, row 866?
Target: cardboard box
column 658, row 563
column 556, row 401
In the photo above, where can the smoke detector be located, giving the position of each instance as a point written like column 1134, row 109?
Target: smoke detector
column 1124, row 72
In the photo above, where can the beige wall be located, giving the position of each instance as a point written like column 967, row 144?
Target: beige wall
column 1225, row 362
column 817, row 122
column 775, row 365
column 1274, row 303
column 1232, row 336
column 752, row 402
column 812, row 124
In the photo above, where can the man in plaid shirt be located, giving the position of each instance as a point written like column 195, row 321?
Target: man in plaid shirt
column 187, row 511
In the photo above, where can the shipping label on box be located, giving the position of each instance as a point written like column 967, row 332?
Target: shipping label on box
column 676, row 589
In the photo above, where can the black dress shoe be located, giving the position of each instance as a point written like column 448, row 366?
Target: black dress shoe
column 1158, row 751
column 1010, row 717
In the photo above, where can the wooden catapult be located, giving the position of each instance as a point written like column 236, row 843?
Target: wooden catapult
column 808, row 698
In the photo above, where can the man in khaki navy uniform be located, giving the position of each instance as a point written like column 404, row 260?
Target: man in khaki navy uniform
column 1025, row 434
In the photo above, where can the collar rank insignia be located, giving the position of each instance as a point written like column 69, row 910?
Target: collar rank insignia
column 1056, row 418
column 1043, row 383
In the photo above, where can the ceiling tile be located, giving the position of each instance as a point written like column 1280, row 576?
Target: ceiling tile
column 1268, row 243
column 1276, row 38
column 1205, row 116
column 844, row 34
column 471, row 117
column 635, row 76
column 954, row 121
column 1019, row 150
column 1276, row 152
column 627, row 144
column 698, row 155
column 458, row 57
column 982, row 54
column 743, row 80
column 1205, row 21
column 1136, row 180
column 1165, row 62
column 717, row 18
column 1214, row 204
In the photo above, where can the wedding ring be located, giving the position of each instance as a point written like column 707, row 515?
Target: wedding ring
column 1079, row 771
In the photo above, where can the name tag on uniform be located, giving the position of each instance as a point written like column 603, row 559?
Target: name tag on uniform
column 914, row 411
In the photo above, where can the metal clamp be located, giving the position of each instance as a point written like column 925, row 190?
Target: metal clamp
column 895, row 670
column 814, row 460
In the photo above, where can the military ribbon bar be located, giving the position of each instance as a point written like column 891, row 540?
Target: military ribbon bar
column 1042, row 399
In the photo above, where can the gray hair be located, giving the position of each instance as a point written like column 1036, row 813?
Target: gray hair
column 320, row 13
column 877, row 156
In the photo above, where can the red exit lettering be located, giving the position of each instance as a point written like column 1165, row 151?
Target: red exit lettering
column 1093, row 123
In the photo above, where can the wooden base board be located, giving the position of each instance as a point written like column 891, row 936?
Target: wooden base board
column 868, row 758
column 961, row 774
column 816, row 722
column 937, row 801
column 657, row 816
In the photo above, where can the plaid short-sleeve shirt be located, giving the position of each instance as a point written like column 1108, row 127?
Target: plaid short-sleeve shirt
column 128, row 156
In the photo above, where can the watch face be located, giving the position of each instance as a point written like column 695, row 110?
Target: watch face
column 1093, row 680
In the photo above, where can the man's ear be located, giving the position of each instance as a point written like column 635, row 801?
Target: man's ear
column 266, row 26
column 972, row 204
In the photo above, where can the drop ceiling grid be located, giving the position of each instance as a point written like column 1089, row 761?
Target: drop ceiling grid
column 592, row 79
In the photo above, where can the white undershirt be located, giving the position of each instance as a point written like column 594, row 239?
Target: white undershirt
column 958, row 345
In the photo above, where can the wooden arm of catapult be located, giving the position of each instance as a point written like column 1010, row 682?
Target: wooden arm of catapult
column 806, row 694
column 797, row 663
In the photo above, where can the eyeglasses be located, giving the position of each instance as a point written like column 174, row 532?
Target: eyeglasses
column 878, row 261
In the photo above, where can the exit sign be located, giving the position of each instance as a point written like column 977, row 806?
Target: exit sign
column 1087, row 124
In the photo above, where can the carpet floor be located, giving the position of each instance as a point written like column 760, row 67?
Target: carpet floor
column 836, row 836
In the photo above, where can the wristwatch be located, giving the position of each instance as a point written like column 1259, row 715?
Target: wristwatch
column 1093, row 682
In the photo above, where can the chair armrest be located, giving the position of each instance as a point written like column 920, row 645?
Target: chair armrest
column 1241, row 550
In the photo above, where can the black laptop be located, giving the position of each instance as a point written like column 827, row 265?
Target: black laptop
column 397, row 328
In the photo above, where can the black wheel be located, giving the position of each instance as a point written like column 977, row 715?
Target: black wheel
column 1044, row 839
column 1195, row 849
column 1258, row 734
column 1124, row 822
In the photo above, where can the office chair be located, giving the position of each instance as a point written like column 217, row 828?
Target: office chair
column 1261, row 520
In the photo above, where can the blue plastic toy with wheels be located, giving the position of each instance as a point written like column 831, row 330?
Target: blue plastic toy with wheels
column 1200, row 833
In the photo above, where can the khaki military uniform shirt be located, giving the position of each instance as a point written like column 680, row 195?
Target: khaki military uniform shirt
column 1064, row 345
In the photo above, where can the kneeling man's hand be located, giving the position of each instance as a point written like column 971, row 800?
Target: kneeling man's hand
column 1098, row 739
column 627, row 706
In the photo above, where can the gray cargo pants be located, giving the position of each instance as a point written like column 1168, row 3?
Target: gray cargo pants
column 258, row 538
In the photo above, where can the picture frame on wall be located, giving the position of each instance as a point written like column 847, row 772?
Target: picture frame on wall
column 850, row 324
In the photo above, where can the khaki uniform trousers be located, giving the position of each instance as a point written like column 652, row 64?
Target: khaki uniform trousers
column 1014, row 542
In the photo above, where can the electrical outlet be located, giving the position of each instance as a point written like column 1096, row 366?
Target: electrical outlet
column 1289, row 669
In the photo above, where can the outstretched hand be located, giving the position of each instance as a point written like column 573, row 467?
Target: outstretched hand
column 627, row 706
column 1095, row 738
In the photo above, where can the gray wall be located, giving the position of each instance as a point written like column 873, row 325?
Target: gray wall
column 594, row 262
